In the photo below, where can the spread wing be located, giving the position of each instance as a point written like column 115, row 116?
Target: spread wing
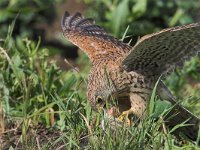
column 91, row 38
column 160, row 52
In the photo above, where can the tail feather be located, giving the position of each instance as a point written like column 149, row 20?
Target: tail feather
column 178, row 115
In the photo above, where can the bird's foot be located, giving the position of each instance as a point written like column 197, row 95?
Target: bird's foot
column 124, row 118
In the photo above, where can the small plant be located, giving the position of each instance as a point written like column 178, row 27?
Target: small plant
column 35, row 91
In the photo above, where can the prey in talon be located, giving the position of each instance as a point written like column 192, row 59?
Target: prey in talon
column 120, row 118
column 129, row 73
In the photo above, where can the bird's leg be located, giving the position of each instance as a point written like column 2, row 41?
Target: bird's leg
column 124, row 117
column 138, row 107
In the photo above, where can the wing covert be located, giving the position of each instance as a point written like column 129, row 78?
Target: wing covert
column 160, row 52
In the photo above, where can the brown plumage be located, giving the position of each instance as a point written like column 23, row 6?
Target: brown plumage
column 129, row 73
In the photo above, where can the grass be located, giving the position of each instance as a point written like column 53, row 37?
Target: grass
column 46, row 108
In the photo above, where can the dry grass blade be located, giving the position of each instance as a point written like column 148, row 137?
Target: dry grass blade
column 87, row 123
column 2, row 127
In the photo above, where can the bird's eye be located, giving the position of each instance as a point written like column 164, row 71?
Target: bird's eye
column 99, row 100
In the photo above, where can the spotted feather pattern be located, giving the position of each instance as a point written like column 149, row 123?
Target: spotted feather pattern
column 160, row 52
column 152, row 56
column 91, row 38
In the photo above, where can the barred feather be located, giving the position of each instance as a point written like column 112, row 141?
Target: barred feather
column 91, row 38
column 179, row 115
column 84, row 25
column 152, row 56
column 160, row 52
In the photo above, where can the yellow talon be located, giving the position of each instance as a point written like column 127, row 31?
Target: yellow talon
column 124, row 118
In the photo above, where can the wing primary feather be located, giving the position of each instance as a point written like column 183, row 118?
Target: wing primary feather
column 79, row 23
column 97, row 32
column 74, row 19
column 95, row 28
column 63, row 20
column 68, row 21
column 76, row 27
column 84, row 22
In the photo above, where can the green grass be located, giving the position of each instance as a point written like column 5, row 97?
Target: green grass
column 39, row 97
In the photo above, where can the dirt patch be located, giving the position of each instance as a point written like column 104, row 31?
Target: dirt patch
column 34, row 138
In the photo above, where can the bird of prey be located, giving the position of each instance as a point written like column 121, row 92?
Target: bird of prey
column 129, row 74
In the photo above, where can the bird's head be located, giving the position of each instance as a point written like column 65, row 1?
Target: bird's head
column 98, row 98
column 112, row 109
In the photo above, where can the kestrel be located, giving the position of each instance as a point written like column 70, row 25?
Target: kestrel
column 128, row 74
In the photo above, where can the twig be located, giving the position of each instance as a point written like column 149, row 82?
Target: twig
column 38, row 143
column 74, row 68
column 87, row 123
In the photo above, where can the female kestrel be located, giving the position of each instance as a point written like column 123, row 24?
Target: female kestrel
column 129, row 74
